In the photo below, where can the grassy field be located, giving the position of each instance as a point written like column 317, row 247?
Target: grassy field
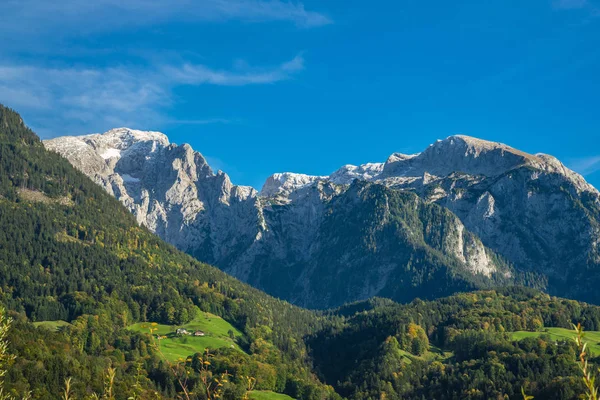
column 437, row 354
column 176, row 347
column 51, row 325
column 434, row 354
column 266, row 395
column 591, row 337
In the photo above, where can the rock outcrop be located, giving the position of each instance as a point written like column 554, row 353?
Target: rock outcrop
column 464, row 213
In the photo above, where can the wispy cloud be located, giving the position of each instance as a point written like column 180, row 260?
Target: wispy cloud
column 586, row 166
column 40, row 37
column 77, row 16
column 190, row 74
column 73, row 100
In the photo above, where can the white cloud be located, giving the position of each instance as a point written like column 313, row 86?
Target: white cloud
column 586, row 166
column 296, row 64
column 77, row 100
column 191, row 74
column 74, row 17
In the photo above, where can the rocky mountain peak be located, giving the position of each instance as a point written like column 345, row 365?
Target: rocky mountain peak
column 348, row 173
column 123, row 138
column 171, row 189
column 471, row 147
column 476, row 157
column 458, row 153
column 299, row 225
column 282, row 184
column 395, row 157
column 477, row 145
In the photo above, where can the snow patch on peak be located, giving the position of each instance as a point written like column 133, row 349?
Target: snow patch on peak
column 123, row 138
column 110, row 153
column 287, row 182
column 67, row 144
column 348, row 173
column 244, row 192
column 400, row 157
column 107, row 148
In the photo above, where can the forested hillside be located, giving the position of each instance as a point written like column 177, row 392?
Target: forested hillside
column 460, row 347
column 69, row 251
column 100, row 303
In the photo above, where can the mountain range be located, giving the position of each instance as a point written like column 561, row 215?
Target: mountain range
column 463, row 214
column 94, row 300
column 75, row 262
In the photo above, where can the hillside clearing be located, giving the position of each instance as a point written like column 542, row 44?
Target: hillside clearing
column 51, row 325
column 560, row 334
column 267, row 395
column 175, row 347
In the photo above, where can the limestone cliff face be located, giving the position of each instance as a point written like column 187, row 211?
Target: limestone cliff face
column 531, row 209
column 170, row 189
column 464, row 213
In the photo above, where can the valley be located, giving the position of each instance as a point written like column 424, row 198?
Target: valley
column 90, row 289
column 299, row 200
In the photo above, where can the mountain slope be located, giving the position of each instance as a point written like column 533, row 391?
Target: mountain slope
column 529, row 210
column 290, row 239
column 457, row 347
column 69, row 251
column 170, row 189
column 364, row 241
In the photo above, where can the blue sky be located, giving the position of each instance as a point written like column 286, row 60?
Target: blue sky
column 270, row 86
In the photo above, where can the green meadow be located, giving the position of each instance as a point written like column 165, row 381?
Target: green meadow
column 591, row 337
column 266, row 395
column 175, row 347
column 51, row 325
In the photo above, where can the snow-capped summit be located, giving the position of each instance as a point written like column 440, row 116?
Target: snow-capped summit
column 455, row 154
column 110, row 144
column 99, row 152
column 301, row 225
column 123, row 138
column 284, row 183
column 395, row 157
column 171, row 189
column 348, row 173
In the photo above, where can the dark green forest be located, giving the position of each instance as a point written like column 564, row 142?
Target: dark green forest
column 71, row 252
column 459, row 347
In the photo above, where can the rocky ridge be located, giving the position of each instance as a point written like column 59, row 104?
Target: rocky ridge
column 472, row 203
